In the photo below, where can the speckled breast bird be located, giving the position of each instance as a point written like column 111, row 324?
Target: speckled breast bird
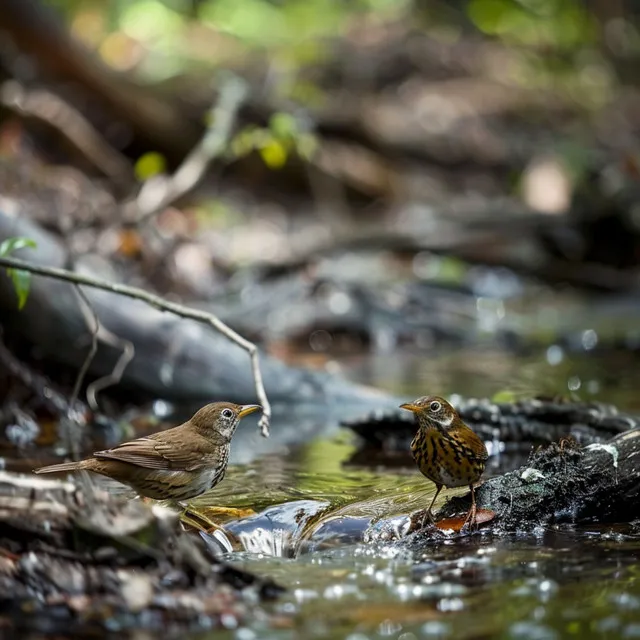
column 176, row 464
column 446, row 450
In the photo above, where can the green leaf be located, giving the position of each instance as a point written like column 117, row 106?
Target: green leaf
column 13, row 244
column 21, row 283
column 283, row 125
column 21, row 279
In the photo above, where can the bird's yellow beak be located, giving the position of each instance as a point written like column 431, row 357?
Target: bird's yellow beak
column 409, row 407
column 246, row 409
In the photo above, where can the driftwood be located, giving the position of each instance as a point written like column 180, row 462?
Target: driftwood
column 560, row 484
column 85, row 557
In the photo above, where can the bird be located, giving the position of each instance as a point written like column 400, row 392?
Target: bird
column 446, row 450
column 176, row 464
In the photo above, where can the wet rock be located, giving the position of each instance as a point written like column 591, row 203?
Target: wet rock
column 276, row 531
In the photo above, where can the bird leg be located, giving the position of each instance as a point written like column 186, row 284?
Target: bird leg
column 428, row 517
column 470, row 520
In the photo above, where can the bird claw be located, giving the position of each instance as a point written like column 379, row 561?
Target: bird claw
column 469, row 526
column 471, row 522
column 421, row 521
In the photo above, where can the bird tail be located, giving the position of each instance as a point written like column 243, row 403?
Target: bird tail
column 63, row 466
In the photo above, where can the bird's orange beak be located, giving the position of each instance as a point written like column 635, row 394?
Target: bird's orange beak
column 246, row 409
column 409, row 407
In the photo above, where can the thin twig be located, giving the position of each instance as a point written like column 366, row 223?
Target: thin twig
column 102, row 334
column 91, row 314
column 71, row 424
column 128, row 351
column 155, row 197
column 73, row 418
column 163, row 305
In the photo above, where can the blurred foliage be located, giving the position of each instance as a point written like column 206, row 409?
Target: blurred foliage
column 275, row 142
column 149, row 165
column 570, row 48
column 162, row 38
column 558, row 23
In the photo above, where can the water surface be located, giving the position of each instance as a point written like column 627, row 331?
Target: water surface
column 310, row 509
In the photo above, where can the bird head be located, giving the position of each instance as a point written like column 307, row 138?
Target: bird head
column 220, row 419
column 432, row 411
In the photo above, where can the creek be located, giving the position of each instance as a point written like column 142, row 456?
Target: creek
column 314, row 519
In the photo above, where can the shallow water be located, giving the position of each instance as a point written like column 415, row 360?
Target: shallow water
column 312, row 510
column 306, row 511
column 551, row 584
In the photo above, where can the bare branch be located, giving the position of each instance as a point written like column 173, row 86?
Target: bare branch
column 102, row 334
column 163, row 305
column 155, row 196
column 93, row 316
column 73, row 423
column 128, row 351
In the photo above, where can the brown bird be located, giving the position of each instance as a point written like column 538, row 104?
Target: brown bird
column 176, row 464
column 446, row 450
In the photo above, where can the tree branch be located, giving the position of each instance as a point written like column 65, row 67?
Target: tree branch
column 156, row 195
column 163, row 305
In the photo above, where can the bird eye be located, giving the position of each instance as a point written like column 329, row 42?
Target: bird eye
column 227, row 413
column 434, row 406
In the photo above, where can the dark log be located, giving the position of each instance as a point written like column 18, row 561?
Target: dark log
column 599, row 483
column 175, row 359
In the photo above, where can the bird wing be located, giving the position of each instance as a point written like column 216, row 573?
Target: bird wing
column 154, row 453
column 473, row 444
column 479, row 450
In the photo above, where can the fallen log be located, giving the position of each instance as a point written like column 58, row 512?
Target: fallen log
column 175, row 359
column 566, row 483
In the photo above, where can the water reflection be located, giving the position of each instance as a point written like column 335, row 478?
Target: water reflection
column 610, row 377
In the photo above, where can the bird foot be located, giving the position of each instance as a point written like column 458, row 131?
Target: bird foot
column 471, row 521
column 470, row 526
column 420, row 520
